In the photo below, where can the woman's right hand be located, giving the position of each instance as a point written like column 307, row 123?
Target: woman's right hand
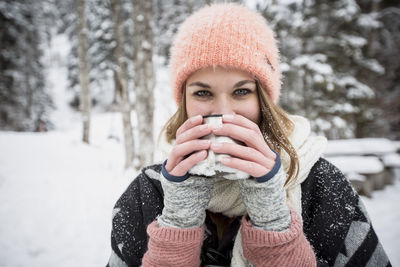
column 188, row 143
column 186, row 198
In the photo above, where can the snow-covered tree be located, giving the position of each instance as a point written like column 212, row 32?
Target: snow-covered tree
column 382, row 23
column 324, row 62
column 101, row 42
column 24, row 100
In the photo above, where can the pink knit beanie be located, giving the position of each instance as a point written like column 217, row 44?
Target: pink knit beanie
column 228, row 35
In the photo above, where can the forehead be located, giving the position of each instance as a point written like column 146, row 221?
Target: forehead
column 219, row 73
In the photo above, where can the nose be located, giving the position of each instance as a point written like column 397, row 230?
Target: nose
column 223, row 105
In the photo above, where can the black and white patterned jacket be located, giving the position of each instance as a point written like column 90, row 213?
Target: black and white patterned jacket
column 334, row 220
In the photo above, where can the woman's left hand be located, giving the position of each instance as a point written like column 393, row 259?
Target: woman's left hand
column 256, row 158
column 265, row 201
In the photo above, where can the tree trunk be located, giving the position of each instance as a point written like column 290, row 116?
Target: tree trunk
column 373, row 37
column 85, row 101
column 144, row 78
column 121, row 81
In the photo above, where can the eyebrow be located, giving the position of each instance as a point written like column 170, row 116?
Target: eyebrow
column 241, row 83
column 204, row 85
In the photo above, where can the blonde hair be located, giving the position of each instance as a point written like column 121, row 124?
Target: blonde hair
column 274, row 124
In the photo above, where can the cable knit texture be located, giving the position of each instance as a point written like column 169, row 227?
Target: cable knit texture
column 228, row 35
column 169, row 246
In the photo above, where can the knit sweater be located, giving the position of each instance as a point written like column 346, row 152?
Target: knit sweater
column 182, row 247
column 334, row 222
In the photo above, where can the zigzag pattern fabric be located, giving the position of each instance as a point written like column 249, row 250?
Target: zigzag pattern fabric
column 356, row 243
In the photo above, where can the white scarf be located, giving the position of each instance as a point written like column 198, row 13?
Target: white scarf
column 226, row 198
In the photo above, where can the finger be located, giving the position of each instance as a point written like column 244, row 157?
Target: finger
column 185, row 165
column 243, row 152
column 182, row 150
column 193, row 133
column 252, row 168
column 250, row 137
column 241, row 121
column 249, row 124
column 189, row 123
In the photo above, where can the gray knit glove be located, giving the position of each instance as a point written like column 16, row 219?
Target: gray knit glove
column 265, row 200
column 185, row 200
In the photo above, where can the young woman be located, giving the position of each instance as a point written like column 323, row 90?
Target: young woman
column 293, row 209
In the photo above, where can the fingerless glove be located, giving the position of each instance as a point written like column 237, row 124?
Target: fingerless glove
column 185, row 200
column 265, row 201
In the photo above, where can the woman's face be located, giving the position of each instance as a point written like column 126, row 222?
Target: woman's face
column 222, row 91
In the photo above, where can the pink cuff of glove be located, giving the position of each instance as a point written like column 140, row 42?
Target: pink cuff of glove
column 289, row 248
column 169, row 246
column 173, row 234
column 255, row 235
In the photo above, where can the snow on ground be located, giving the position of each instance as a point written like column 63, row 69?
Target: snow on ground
column 57, row 195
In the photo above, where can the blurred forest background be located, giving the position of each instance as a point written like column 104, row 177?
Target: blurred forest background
column 340, row 61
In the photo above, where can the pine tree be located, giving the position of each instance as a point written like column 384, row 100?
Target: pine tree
column 101, row 43
column 24, row 100
column 382, row 27
column 324, row 62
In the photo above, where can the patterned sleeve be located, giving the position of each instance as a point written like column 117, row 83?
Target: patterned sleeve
column 137, row 207
column 335, row 221
column 361, row 246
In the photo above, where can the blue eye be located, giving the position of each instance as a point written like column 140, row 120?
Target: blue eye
column 202, row 93
column 241, row 92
